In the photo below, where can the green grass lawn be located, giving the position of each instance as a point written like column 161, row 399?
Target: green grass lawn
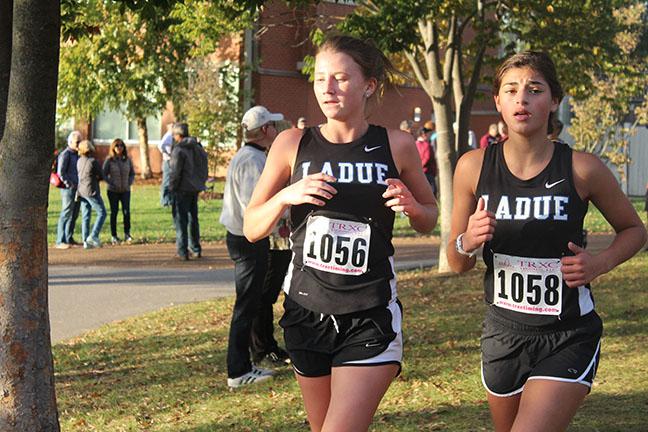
column 152, row 223
column 165, row 371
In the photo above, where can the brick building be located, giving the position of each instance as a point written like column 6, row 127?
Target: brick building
column 276, row 55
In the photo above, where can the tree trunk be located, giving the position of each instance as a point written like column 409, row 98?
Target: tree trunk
column 142, row 134
column 446, row 160
column 6, row 17
column 27, row 397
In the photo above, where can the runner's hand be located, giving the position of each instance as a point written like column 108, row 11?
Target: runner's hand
column 402, row 199
column 481, row 226
column 308, row 189
column 579, row 269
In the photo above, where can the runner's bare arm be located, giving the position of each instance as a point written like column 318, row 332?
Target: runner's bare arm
column 272, row 197
column 412, row 194
column 468, row 215
column 595, row 182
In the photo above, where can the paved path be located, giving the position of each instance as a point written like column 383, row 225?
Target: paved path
column 90, row 288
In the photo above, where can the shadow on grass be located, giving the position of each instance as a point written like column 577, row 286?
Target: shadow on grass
column 612, row 413
column 166, row 371
column 464, row 418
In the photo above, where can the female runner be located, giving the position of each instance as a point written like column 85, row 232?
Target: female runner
column 342, row 321
column 524, row 200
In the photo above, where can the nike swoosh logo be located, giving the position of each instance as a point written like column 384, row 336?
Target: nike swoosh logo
column 550, row 185
column 369, row 345
column 370, row 149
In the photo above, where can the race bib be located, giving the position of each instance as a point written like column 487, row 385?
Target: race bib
column 527, row 285
column 336, row 245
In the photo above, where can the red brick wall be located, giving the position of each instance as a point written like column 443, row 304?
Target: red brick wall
column 282, row 46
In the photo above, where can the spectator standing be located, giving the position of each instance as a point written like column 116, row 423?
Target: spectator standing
column 165, row 148
column 250, row 258
column 433, row 135
column 263, row 344
column 188, row 172
column 491, row 137
column 67, row 172
column 90, row 195
column 119, row 174
column 502, row 130
column 426, row 154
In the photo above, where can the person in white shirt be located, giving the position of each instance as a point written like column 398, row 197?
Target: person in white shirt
column 250, row 259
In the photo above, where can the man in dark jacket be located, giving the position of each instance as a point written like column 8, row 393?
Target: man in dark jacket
column 187, row 176
column 67, row 171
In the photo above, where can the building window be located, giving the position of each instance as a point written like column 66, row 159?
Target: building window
column 110, row 124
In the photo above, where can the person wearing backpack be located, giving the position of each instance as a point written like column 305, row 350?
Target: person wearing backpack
column 188, row 172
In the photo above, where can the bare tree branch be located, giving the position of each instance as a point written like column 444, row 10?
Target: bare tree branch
column 450, row 51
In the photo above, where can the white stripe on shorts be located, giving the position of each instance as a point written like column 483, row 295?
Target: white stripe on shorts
column 394, row 351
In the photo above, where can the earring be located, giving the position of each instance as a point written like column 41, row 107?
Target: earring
column 367, row 94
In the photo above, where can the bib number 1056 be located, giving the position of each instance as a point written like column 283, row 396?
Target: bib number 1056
column 336, row 246
column 528, row 285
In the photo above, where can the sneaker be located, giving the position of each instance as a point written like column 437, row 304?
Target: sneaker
column 193, row 254
column 73, row 242
column 91, row 243
column 115, row 240
column 181, row 257
column 254, row 376
column 128, row 239
column 278, row 356
column 62, row 246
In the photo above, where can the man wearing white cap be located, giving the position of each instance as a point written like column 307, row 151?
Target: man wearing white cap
column 250, row 259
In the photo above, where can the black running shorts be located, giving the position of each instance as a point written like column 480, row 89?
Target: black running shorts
column 317, row 342
column 513, row 353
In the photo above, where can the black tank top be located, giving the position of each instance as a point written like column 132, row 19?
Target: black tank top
column 536, row 218
column 342, row 252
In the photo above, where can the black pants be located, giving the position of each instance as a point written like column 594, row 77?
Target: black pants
column 185, row 214
column 250, row 266
column 263, row 340
column 115, row 198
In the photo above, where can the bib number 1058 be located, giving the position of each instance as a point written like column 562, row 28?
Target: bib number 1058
column 336, row 246
column 528, row 285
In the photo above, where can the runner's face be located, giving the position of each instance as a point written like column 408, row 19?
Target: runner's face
column 525, row 102
column 340, row 86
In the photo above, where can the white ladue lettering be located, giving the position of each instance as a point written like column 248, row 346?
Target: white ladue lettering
column 503, row 210
column 559, row 207
column 522, row 208
column 541, row 212
column 364, row 172
column 526, row 208
column 305, row 166
column 381, row 172
column 346, row 172
column 326, row 169
column 351, row 172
